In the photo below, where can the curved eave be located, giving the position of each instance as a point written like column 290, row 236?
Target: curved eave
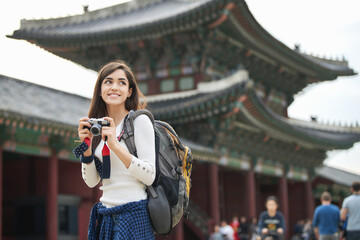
column 308, row 135
column 150, row 21
column 208, row 99
column 244, row 26
column 239, row 100
column 14, row 118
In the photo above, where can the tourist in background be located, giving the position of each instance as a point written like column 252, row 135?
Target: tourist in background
column 308, row 231
column 351, row 209
column 243, row 231
column 216, row 235
column 271, row 221
column 298, row 229
column 253, row 228
column 326, row 219
column 226, row 231
column 235, row 225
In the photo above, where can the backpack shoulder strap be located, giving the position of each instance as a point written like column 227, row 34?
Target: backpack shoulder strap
column 128, row 128
column 128, row 136
column 136, row 113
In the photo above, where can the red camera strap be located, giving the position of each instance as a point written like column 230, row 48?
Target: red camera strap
column 106, row 162
column 105, row 165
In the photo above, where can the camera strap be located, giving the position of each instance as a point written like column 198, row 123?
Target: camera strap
column 79, row 150
column 105, row 166
column 105, row 173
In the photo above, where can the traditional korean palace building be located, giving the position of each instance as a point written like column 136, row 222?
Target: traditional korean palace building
column 208, row 68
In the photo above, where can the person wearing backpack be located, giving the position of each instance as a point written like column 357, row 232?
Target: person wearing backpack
column 122, row 210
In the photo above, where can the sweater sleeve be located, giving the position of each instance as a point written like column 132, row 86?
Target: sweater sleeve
column 89, row 174
column 261, row 223
column 143, row 166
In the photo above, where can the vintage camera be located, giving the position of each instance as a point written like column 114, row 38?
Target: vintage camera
column 96, row 125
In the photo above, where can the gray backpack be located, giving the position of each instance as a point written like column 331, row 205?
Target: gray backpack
column 169, row 193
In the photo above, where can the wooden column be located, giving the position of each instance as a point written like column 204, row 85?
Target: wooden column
column 251, row 194
column 1, row 190
column 214, row 197
column 309, row 198
column 51, row 198
column 97, row 193
column 284, row 203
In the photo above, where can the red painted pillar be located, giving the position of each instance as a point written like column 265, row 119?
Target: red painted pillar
column 284, row 203
column 214, row 197
column 310, row 206
column 97, row 193
column 84, row 217
column 179, row 230
column 251, row 194
column 1, row 188
column 51, row 198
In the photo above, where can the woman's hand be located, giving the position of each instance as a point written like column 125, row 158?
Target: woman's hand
column 280, row 230
column 85, row 133
column 113, row 143
column 109, row 134
column 264, row 231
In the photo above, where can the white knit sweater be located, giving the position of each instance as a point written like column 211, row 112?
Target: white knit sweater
column 126, row 184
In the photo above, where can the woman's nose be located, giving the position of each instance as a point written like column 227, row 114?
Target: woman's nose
column 114, row 87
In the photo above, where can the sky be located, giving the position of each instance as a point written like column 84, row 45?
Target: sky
column 325, row 28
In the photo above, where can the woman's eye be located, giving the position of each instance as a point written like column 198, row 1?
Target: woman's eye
column 107, row 81
column 123, row 82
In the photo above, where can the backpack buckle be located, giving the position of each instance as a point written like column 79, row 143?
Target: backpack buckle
column 176, row 171
column 127, row 134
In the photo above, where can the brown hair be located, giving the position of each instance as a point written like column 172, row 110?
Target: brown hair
column 355, row 186
column 98, row 106
column 326, row 196
column 272, row 198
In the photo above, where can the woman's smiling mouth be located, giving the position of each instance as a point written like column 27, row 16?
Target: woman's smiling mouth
column 114, row 95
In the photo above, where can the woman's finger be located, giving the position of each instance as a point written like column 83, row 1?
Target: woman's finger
column 83, row 119
column 83, row 124
column 112, row 123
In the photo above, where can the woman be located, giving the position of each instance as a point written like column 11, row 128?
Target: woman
column 121, row 213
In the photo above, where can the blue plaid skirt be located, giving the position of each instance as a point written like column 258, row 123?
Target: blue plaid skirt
column 129, row 221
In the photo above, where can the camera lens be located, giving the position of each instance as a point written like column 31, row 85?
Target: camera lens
column 95, row 129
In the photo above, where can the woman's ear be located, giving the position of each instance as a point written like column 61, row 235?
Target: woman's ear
column 130, row 92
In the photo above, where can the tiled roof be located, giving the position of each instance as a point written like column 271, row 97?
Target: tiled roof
column 305, row 132
column 338, row 176
column 122, row 17
column 20, row 98
column 334, row 65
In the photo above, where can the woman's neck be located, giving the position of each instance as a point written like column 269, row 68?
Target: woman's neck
column 117, row 113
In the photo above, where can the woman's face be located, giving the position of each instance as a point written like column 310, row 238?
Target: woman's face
column 115, row 88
